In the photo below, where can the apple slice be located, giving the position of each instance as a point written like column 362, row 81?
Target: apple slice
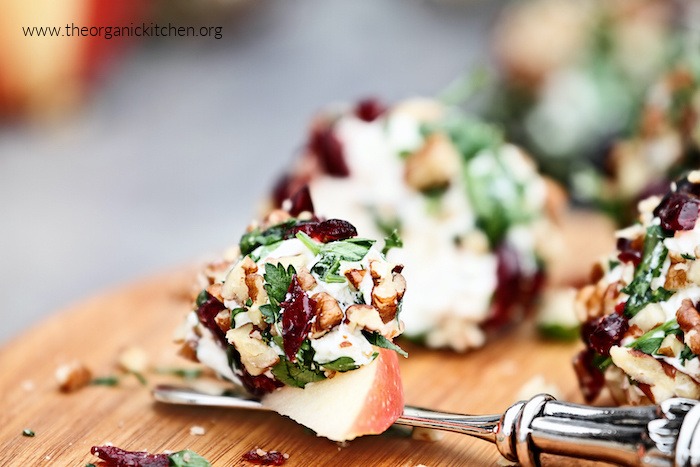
column 360, row 402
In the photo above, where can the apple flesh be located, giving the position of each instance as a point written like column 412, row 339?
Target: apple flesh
column 360, row 402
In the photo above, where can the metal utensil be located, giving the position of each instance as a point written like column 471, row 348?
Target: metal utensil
column 660, row 435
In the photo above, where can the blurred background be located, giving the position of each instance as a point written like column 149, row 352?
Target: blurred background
column 126, row 157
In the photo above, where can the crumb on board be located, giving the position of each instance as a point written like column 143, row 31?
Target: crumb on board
column 426, row 434
column 134, row 359
column 197, row 430
column 27, row 385
column 72, row 376
column 537, row 385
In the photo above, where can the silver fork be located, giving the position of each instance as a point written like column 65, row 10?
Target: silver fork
column 660, row 435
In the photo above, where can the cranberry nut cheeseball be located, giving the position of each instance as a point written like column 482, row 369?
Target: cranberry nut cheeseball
column 640, row 318
column 470, row 208
column 303, row 314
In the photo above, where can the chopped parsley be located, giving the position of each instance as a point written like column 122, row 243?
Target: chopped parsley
column 105, row 381
column 332, row 253
column 392, row 241
column 256, row 238
column 377, row 339
column 188, row 458
column 300, row 373
column 28, row 433
column 653, row 257
column 687, row 256
column 185, row 373
column 277, row 280
column 650, row 341
column 341, row 364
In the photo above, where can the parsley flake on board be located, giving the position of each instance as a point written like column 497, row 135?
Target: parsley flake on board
column 28, row 433
column 653, row 257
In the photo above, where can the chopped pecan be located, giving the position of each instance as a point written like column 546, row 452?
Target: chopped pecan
column 235, row 283
column 355, row 276
column 256, row 356
column 256, row 289
column 215, row 291
column 677, row 276
column 306, row 280
column 328, row 314
column 364, row 317
column 223, row 320
column 689, row 322
column 433, row 165
column 73, row 376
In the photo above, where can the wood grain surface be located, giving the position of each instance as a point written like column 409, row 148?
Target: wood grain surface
column 146, row 313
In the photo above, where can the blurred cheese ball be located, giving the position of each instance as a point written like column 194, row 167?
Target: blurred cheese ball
column 473, row 213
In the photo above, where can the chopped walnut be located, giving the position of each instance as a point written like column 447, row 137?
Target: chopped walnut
column 256, row 289
column 328, row 314
column 671, row 346
column 355, row 276
column 235, row 286
column 677, row 275
column 188, row 350
column 647, row 370
column 276, row 217
column 689, row 322
column 223, row 320
column 256, row 356
column 433, row 165
column 215, row 291
column 306, row 280
column 73, row 376
column 389, row 288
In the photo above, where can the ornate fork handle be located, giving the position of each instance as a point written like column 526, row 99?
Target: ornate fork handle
column 663, row 435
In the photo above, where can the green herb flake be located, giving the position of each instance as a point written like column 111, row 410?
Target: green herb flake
column 188, row 458
column 105, row 381
column 28, row 433
column 90, row 465
column 687, row 256
column 558, row 332
column 185, row 373
column 277, row 280
column 341, row 364
column 141, row 379
column 202, row 298
column 650, row 341
column 256, row 238
column 612, row 264
column 296, row 374
column 653, row 257
column 377, row 339
column 392, row 241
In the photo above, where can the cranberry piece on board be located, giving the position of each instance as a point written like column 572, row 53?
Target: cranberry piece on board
column 117, row 457
column 678, row 211
column 327, row 231
column 590, row 379
column 369, row 109
column 297, row 312
column 329, row 151
column 260, row 457
column 606, row 331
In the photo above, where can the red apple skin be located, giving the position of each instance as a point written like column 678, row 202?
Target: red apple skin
column 385, row 403
column 360, row 402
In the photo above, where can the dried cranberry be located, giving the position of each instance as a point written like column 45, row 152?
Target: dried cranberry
column 301, row 202
column 515, row 290
column 206, row 314
column 327, row 231
column 627, row 253
column 257, row 385
column 297, row 312
column 369, row 109
column 604, row 332
column 678, row 211
column 260, row 457
column 590, row 379
column 116, row 457
column 329, row 152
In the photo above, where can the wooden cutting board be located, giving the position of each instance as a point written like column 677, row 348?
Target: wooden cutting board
column 146, row 314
